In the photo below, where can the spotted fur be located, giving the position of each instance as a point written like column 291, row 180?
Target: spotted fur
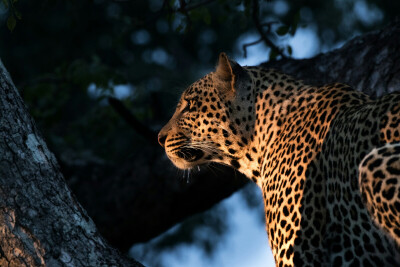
column 380, row 187
column 302, row 145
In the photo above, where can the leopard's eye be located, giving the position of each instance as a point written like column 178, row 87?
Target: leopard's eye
column 189, row 105
column 186, row 107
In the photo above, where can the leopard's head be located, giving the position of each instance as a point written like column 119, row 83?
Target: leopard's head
column 213, row 120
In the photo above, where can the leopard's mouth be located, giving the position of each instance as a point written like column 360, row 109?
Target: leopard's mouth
column 185, row 157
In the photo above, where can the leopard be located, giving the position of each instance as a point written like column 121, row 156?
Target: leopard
column 326, row 157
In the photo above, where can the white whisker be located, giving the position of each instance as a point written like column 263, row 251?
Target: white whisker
column 211, row 170
column 201, row 145
column 188, row 176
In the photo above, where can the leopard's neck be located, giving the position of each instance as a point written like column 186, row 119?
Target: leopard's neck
column 274, row 104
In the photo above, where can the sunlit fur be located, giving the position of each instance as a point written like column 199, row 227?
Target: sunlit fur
column 302, row 145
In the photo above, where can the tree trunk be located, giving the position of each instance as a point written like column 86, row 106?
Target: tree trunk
column 41, row 222
column 149, row 195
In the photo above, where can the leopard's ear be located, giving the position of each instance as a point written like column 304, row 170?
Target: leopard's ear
column 224, row 70
column 229, row 75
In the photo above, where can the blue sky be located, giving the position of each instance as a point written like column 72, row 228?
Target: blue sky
column 245, row 244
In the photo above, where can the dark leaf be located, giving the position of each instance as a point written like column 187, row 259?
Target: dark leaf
column 11, row 22
column 18, row 14
column 282, row 30
column 273, row 54
column 295, row 23
column 207, row 17
column 180, row 28
column 5, row 2
column 289, row 50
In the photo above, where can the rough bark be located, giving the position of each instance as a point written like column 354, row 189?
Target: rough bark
column 148, row 195
column 41, row 222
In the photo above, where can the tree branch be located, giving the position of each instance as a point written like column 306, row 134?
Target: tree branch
column 369, row 63
column 244, row 47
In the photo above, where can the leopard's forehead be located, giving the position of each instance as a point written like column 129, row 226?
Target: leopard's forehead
column 199, row 87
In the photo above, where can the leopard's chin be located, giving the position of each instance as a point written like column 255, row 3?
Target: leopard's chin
column 186, row 158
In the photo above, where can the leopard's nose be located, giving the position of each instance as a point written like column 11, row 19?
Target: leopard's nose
column 161, row 138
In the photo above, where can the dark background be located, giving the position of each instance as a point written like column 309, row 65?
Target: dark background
column 68, row 57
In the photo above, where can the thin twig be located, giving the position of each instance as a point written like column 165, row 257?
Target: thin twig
column 182, row 4
column 183, row 8
column 156, row 15
column 269, row 25
column 244, row 47
column 259, row 27
column 194, row 6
